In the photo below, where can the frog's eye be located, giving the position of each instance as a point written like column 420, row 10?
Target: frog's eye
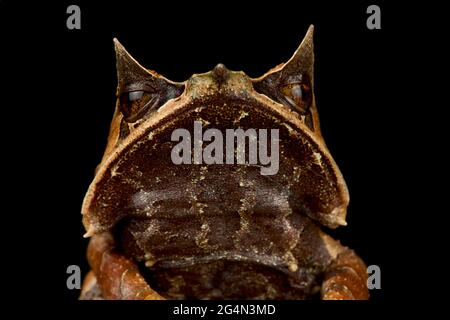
column 294, row 92
column 135, row 104
column 298, row 96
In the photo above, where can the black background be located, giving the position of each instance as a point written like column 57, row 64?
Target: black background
column 63, row 82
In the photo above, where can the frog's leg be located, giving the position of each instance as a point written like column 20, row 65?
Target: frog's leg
column 113, row 274
column 90, row 289
column 345, row 278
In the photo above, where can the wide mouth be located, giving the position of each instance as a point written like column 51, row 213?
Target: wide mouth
column 269, row 261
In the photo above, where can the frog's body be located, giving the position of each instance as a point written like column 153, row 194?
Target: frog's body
column 212, row 231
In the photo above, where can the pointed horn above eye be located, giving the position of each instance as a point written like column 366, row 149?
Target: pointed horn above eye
column 303, row 58
column 128, row 69
column 140, row 91
column 302, row 61
column 291, row 83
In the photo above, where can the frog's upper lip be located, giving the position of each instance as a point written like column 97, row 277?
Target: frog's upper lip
column 161, row 121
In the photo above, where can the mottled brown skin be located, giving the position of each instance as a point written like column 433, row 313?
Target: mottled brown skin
column 161, row 230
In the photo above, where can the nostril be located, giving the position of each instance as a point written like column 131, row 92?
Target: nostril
column 220, row 73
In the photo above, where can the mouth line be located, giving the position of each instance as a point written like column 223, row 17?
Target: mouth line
column 267, row 260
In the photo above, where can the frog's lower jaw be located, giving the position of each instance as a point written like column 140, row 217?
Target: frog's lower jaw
column 225, row 279
column 114, row 276
column 226, row 256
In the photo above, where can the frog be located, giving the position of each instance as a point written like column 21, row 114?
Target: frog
column 160, row 229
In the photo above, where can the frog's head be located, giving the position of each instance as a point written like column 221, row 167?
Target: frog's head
column 137, row 176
